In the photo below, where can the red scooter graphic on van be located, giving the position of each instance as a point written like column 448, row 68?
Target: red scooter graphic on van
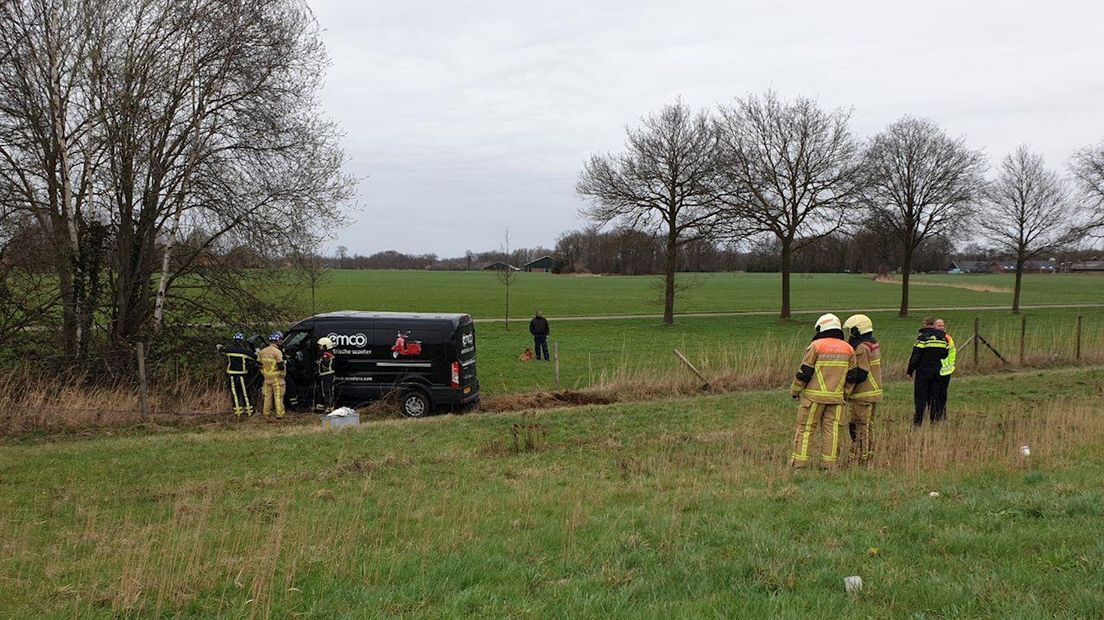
column 405, row 348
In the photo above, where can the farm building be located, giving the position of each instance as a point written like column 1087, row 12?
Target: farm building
column 969, row 266
column 500, row 266
column 545, row 264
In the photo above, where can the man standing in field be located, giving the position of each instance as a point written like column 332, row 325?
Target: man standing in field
column 821, row 386
column 539, row 328
column 925, row 363
column 271, row 359
column 943, row 384
column 867, row 393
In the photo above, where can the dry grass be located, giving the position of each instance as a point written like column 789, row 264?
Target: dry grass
column 29, row 403
column 73, row 404
column 977, row 288
column 733, row 369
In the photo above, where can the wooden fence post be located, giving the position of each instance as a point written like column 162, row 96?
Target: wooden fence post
column 1023, row 337
column 556, row 357
column 693, row 369
column 977, row 328
column 143, row 387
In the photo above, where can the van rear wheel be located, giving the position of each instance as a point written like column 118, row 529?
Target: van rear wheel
column 414, row 404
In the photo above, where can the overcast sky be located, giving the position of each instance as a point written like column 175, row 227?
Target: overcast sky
column 464, row 118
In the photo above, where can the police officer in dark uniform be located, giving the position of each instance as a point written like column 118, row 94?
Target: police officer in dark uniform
column 924, row 365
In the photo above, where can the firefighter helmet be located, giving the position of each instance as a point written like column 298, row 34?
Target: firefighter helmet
column 325, row 343
column 238, row 337
column 858, row 325
column 827, row 322
column 275, row 336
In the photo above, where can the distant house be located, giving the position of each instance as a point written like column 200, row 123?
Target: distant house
column 500, row 266
column 1090, row 265
column 971, row 266
column 544, row 264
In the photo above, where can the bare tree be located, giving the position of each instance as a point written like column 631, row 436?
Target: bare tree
column 794, row 169
column 921, row 184
column 666, row 180
column 150, row 137
column 48, row 153
column 1027, row 212
column 311, row 273
column 507, row 275
column 1088, row 168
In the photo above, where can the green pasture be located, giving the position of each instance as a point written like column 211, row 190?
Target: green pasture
column 672, row 509
column 590, row 350
column 483, row 296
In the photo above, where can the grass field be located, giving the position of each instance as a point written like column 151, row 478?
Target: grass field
column 481, row 295
column 592, row 352
column 679, row 508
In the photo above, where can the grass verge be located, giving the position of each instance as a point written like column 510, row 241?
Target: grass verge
column 675, row 508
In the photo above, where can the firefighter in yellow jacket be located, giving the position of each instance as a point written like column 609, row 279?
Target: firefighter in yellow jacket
column 866, row 378
column 271, row 359
column 821, row 386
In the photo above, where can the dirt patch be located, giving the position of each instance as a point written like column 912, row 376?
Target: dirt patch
column 977, row 288
column 545, row 400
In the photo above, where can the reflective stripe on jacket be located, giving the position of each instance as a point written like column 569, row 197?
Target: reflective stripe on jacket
column 948, row 367
column 868, row 356
column 272, row 361
column 929, row 351
column 238, row 358
column 830, row 359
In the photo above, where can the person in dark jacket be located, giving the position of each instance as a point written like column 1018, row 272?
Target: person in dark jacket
column 923, row 368
column 324, row 397
column 240, row 360
column 539, row 328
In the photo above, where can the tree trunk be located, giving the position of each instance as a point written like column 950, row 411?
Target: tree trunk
column 669, row 277
column 1019, row 282
column 787, row 266
column 906, row 271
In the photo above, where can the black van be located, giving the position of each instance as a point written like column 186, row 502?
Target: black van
column 428, row 360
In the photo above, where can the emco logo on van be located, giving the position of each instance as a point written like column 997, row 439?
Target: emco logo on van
column 348, row 340
column 467, row 340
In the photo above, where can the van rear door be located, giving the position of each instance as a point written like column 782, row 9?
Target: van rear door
column 464, row 345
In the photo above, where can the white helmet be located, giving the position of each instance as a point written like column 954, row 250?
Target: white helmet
column 827, row 322
column 325, row 343
column 859, row 325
